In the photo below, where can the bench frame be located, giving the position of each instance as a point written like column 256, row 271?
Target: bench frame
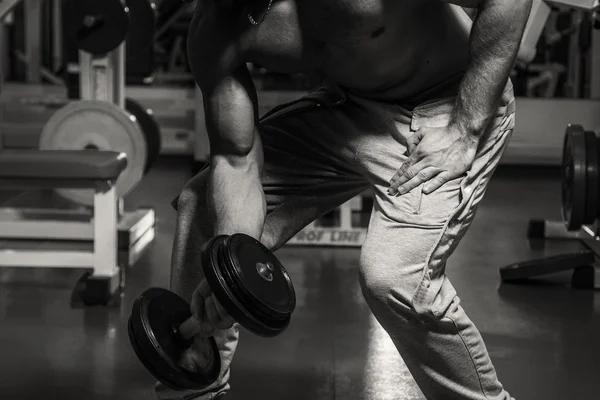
column 102, row 259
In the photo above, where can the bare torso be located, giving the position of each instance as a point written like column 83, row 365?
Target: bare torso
column 383, row 49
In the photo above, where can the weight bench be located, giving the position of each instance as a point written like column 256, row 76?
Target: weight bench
column 71, row 169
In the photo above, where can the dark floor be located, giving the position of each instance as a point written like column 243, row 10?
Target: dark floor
column 543, row 339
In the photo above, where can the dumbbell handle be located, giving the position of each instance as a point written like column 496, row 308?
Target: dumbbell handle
column 189, row 328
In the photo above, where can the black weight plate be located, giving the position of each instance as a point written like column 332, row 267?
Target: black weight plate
column 274, row 292
column 591, row 203
column 150, row 127
column 142, row 26
column 96, row 26
column 221, row 289
column 574, row 177
column 251, row 306
column 155, row 318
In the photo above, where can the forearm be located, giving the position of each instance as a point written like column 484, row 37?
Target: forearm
column 494, row 44
column 235, row 194
column 236, row 200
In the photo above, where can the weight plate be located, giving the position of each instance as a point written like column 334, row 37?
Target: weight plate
column 220, row 285
column 260, row 275
column 97, row 125
column 591, row 203
column 96, row 26
column 142, row 26
column 574, row 177
column 155, row 318
column 150, row 128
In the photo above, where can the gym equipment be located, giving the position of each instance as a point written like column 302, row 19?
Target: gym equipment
column 25, row 169
column 142, row 26
column 100, row 26
column 574, row 177
column 101, row 235
column 150, row 128
column 96, row 26
column 98, row 125
column 249, row 282
column 581, row 213
column 159, row 335
column 582, row 262
column 538, row 138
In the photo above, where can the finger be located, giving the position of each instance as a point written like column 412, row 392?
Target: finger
column 408, row 174
column 206, row 326
column 419, row 178
column 435, row 183
column 413, row 140
column 204, row 289
column 227, row 319
column 217, row 322
column 197, row 305
column 401, row 171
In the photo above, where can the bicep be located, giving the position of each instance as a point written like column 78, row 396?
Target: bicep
column 230, row 108
column 230, row 103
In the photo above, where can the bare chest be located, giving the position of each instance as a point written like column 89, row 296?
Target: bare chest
column 310, row 32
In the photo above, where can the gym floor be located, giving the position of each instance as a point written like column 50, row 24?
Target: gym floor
column 543, row 338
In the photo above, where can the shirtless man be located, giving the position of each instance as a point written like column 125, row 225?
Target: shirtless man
column 417, row 107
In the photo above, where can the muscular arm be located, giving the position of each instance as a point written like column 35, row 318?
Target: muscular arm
column 494, row 43
column 235, row 196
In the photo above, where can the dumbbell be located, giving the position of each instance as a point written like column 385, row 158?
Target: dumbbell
column 249, row 282
column 580, row 180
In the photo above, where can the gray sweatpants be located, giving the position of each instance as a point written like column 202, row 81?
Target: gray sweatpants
column 321, row 152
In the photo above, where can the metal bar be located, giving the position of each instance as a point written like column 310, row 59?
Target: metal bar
column 105, row 233
column 595, row 65
column 45, row 72
column 57, row 30
column 116, row 68
column 6, row 6
column 46, row 259
column 33, row 39
column 46, row 230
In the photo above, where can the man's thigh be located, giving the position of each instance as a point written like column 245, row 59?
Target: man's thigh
column 431, row 224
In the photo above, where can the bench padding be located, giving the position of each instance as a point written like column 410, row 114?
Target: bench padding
column 62, row 164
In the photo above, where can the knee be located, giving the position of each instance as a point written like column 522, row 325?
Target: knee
column 388, row 290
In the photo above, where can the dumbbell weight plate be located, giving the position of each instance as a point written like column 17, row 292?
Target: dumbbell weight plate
column 156, row 315
column 96, row 26
column 263, row 278
column 150, row 128
column 226, row 288
column 591, row 204
column 574, row 178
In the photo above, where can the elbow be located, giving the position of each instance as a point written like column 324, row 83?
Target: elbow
column 236, row 154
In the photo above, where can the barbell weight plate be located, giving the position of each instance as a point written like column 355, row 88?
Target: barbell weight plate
column 96, row 26
column 574, row 180
column 97, row 125
column 155, row 318
column 591, row 203
column 142, row 26
column 219, row 279
column 150, row 128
